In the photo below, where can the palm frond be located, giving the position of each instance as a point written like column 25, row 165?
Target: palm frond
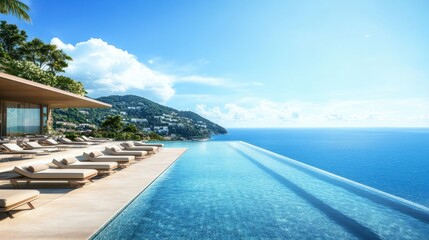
column 16, row 8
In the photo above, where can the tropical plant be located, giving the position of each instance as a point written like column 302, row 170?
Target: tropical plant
column 155, row 136
column 16, row 8
column 34, row 60
column 70, row 85
column 130, row 128
column 11, row 39
column 113, row 124
column 28, row 70
column 46, row 56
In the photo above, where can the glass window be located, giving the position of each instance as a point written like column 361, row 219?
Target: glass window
column 45, row 119
column 22, row 118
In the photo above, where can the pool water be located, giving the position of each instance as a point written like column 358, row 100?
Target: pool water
column 234, row 190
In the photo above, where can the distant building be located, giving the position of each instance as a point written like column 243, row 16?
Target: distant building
column 161, row 129
column 138, row 120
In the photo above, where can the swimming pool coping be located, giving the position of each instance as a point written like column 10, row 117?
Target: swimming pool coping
column 94, row 234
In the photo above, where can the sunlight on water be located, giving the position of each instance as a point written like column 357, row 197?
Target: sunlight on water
column 230, row 190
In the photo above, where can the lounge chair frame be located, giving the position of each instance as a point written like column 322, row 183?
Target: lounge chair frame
column 18, row 204
column 71, row 181
column 121, row 164
column 100, row 171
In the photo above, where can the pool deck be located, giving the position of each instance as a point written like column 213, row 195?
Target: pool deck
column 79, row 213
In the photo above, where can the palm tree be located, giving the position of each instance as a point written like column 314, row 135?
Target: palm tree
column 16, row 8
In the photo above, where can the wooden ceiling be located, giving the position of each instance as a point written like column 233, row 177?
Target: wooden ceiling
column 13, row 88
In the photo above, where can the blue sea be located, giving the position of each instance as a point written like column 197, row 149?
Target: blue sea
column 394, row 160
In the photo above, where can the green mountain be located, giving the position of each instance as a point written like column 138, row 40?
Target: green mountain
column 148, row 116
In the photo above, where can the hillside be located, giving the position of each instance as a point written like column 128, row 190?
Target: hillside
column 148, row 116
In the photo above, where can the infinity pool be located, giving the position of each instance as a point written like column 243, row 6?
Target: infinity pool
column 234, row 190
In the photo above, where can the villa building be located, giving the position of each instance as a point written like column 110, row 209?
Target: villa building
column 25, row 105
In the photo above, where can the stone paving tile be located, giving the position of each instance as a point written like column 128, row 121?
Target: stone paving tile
column 78, row 214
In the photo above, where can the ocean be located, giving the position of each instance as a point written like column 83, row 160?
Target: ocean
column 394, row 160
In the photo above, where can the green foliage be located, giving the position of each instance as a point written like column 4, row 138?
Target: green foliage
column 187, row 124
column 34, row 60
column 70, row 85
column 113, row 124
column 46, row 56
column 154, row 136
column 71, row 135
column 16, row 8
column 28, row 70
column 122, row 136
column 11, row 39
column 130, row 128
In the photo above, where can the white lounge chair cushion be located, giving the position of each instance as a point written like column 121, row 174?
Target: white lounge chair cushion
column 51, row 141
column 87, row 165
column 94, row 165
column 130, row 146
column 13, row 147
column 105, row 158
column 10, row 197
column 126, row 152
column 66, row 140
column 33, row 145
column 145, row 148
column 115, row 148
column 159, row 145
column 95, row 154
column 69, row 160
column 37, row 167
column 57, row 173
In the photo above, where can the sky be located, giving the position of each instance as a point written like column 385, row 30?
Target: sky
column 251, row 63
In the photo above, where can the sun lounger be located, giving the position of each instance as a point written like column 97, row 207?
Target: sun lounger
column 42, row 172
column 107, row 139
column 12, row 148
column 131, row 147
column 37, row 146
column 97, row 156
column 70, row 142
column 79, row 139
column 52, row 142
column 11, row 199
column 159, row 145
column 73, row 163
column 115, row 150
column 87, row 139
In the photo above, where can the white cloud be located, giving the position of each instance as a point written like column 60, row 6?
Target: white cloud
column 412, row 112
column 110, row 70
column 65, row 47
column 106, row 69
column 263, row 114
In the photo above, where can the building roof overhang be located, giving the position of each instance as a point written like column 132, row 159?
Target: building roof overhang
column 14, row 88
